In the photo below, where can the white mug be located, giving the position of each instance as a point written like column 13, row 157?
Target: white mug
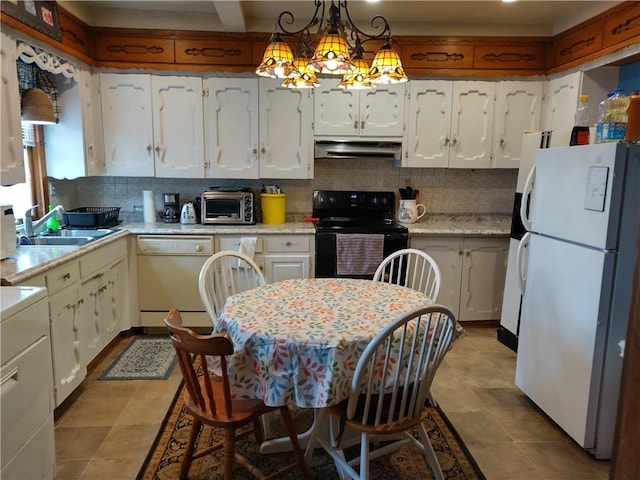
column 408, row 211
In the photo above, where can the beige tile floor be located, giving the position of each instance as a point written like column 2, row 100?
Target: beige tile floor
column 107, row 427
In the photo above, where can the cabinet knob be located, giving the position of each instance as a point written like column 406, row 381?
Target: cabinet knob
column 149, row 148
column 446, row 141
column 66, row 276
column 503, row 142
column 198, row 247
column 460, row 252
column 362, row 124
column 355, row 124
column 454, row 142
column 288, row 244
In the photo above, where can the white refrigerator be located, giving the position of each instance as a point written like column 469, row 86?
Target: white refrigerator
column 576, row 268
column 509, row 328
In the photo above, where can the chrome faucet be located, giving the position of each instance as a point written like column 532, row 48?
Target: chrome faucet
column 31, row 227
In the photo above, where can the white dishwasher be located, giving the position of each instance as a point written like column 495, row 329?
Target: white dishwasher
column 168, row 269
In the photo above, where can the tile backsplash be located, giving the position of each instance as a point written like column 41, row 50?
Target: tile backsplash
column 442, row 190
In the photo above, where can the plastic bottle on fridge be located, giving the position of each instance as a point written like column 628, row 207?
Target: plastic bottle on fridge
column 614, row 126
column 633, row 118
column 580, row 132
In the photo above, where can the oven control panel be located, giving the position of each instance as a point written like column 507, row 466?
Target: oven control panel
column 353, row 203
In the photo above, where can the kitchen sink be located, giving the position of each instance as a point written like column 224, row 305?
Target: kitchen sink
column 60, row 240
column 71, row 236
column 80, row 232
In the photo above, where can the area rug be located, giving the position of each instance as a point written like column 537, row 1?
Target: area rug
column 143, row 359
column 163, row 460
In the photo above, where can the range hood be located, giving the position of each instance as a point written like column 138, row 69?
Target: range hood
column 351, row 149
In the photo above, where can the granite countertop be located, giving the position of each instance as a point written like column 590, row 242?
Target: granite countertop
column 496, row 225
column 29, row 261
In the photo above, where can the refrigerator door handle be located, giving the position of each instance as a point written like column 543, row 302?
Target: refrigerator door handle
column 522, row 274
column 526, row 194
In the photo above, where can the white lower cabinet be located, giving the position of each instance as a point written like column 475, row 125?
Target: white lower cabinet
column 280, row 257
column 473, row 271
column 26, row 401
column 103, row 294
column 88, row 301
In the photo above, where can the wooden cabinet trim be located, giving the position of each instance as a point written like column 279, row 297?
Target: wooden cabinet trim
column 198, row 51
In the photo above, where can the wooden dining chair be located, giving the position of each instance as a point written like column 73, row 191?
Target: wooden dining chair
column 411, row 268
column 224, row 274
column 208, row 399
column 388, row 391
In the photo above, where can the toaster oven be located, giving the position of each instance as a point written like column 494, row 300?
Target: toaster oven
column 228, row 208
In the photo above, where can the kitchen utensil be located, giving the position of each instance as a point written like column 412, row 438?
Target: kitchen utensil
column 188, row 214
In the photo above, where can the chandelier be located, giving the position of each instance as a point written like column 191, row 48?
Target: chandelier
column 340, row 51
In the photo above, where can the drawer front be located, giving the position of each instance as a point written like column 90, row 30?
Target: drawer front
column 24, row 328
column 175, row 245
column 60, row 277
column 233, row 243
column 100, row 258
column 26, row 400
column 288, row 243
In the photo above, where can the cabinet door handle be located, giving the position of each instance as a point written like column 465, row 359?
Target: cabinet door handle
column 454, row 142
column 362, row 124
column 149, row 148
column 503, row 143
column 446, row 141
column 288, row 244
column 355, row 124
column 66, row 276
column 460, row 252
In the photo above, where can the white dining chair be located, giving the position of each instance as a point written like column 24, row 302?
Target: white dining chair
column 411, row 268
column 388, row 392
column 224, row 274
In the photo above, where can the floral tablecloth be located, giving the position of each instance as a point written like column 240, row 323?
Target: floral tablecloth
column 298, row 341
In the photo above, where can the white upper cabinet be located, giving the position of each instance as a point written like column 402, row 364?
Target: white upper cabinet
column 560, row 101
column 428, row 124
column 518, row 106
column 74, row 146
column 153, row 125
column 561, row 96
column 472, row 124
column 286, row 137
column 127, row 124
column 449, row 124
column 11, row 154
column 376, row 112
column 178, row 129
column 231, row 128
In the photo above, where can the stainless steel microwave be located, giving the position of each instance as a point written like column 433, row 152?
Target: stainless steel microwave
column 227, row 208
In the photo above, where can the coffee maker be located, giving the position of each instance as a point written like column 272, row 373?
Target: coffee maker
column 171, row 208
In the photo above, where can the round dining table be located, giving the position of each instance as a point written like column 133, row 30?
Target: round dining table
column 297, row 342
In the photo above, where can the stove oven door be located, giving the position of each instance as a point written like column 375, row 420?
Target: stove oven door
column 326, row 257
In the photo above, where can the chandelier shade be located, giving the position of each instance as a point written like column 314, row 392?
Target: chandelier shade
column 386, row 67
column 331, row 55
column 358, row 78
column 277, row 61
column 339, row 51
column 302, row 76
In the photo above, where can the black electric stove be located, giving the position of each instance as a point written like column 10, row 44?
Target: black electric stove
column 349, row 212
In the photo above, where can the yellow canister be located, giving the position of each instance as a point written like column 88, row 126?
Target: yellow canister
column 273, row 207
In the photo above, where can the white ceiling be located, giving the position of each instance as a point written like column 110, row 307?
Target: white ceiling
column 440, row 17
